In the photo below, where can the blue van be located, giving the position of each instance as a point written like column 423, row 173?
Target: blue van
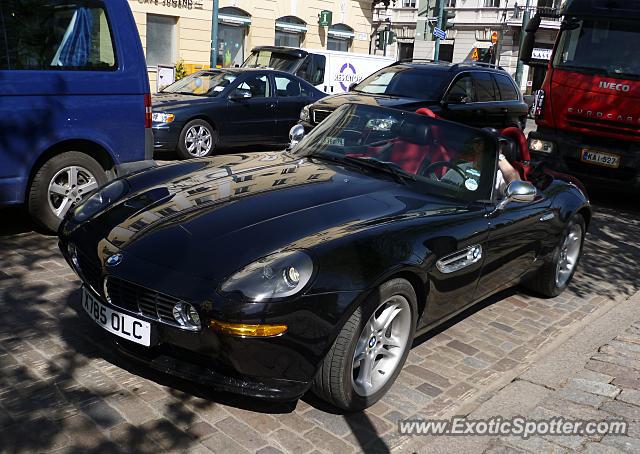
column 75, row 107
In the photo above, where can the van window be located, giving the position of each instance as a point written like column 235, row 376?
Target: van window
column 312, row 70
column 67, row 35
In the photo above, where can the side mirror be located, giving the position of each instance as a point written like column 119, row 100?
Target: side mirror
column 239, row 94
column 352, row 86
column 296, row 133
column 517, row 191
column 526, row 51
column 534, row 24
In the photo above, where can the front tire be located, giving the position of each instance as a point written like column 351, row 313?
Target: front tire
column 370, row 350
column 60, row 184
column 197, row 140
column 556, row 274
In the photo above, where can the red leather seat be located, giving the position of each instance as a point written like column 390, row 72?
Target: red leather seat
column 522, row 161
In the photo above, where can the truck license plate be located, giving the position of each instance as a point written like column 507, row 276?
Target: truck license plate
column 600, row 158
column 115, row 322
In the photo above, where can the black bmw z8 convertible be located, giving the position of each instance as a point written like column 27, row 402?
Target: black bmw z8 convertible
column 275, row 273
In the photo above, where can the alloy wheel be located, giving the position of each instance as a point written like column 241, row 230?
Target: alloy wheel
column 569, row 254
column 198, row 141
column 381, row 345
column 68, row 186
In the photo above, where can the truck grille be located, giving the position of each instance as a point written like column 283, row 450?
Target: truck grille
column 319, row 115
column 603, row 125
column 135, row 298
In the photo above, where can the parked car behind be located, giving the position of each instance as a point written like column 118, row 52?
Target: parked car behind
column 75, row 102
column 475, row 94
column 228, row 107
column 328, row 70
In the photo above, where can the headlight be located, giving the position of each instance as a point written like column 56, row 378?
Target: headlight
column 105, row 196
column 304, row 113
column 163, row 117
column 541, row 146
column 186, row 316
column 275, row 276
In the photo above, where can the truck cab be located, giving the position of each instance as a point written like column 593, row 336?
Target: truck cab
column 588, row 110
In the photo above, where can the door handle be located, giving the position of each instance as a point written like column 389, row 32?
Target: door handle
column 504, row 110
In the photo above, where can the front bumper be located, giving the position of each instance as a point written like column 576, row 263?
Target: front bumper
column 277, row 368
column 567, row 151
column 165, row 137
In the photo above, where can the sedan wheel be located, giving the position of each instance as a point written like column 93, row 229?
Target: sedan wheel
column 381, row 345
column 370, row 350
column 197, row 140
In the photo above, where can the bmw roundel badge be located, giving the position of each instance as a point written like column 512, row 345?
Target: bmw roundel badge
column 114, row 260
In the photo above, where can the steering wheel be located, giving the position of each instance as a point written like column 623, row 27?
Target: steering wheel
column 429, row 171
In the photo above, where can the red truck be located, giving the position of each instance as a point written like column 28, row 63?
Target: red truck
column 588, row 110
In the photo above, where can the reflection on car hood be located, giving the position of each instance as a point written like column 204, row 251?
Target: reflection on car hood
column 335, row 101
column 165, row 101
column 234, row 209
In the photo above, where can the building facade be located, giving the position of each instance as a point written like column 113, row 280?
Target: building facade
column 490, row 30
column 400, row 18
column 180, row 30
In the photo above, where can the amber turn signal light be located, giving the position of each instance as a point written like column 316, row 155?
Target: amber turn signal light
column 245, row 330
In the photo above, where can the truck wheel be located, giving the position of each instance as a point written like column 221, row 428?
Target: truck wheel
column 61, row 183
column 370, row 350
column 556, row 274
column 197, row 140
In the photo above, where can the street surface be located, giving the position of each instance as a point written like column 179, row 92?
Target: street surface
column 63, row 388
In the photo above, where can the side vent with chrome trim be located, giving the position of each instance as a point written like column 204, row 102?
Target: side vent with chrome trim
column 460, row 259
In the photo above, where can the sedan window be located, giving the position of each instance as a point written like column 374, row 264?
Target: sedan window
column 203, row 83
column 287, row 86
column 257, row 85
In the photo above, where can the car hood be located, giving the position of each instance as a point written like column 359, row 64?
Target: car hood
column 231, row 210
column 335, row 101
column 166, row 101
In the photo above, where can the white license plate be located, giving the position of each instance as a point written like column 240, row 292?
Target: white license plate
column 599, row 158
column 120, row 324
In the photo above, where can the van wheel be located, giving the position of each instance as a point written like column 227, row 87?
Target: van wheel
column 197, row 140
column 60, row 184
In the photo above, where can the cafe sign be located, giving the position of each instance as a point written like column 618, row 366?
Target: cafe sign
column 181, row 4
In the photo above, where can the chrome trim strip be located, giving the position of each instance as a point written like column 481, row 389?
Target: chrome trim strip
column 460, row 259
column 547, row 217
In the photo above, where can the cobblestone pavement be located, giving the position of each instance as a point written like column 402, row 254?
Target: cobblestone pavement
column 62, row 388
column 608, row 388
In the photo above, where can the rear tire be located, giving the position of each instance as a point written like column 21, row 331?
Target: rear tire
column 555, row 275
column 59, row 184
column 197, row 140
column 340, row 380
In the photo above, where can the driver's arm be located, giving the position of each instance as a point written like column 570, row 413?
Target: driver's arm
column 508, row 171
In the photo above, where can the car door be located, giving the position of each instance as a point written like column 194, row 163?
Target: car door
column 516, row 237
column 509, row 99
column 488, row 111
column 292, row 96
column 458, row 100
column 251, row 111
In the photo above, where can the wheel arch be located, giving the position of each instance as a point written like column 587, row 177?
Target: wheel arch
column 91, row 149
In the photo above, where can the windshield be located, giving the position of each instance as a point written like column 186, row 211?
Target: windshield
column 601, row 46
column 209, row 83
column 404, row 82
column 445, row 158
column 275, row 60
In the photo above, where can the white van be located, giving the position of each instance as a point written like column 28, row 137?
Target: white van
column 328, row 70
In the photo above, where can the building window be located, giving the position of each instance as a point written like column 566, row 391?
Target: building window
column 408, row 3
column 450, row 4
column 161, row 40
column 340, row 37
column 290, row 31
column 232, row 29
column 491, row 3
